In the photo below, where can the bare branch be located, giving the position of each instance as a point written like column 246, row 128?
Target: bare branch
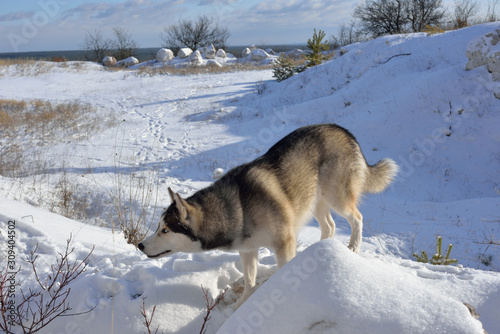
column 465, row 11
column 39, row 307
column 147, row 322
column 96, row 45
column 210, row 304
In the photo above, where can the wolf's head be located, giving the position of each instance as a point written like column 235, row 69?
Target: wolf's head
column 176, row 230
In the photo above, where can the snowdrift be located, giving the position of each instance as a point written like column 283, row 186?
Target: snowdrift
column 329, row 289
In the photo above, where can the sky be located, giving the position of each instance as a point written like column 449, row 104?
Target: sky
column 49, row 25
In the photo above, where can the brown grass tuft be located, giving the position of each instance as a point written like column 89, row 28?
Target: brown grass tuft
column 193, row 69
column 16, row 61
column 28, row 125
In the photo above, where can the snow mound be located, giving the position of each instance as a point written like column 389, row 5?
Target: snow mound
column 364, row 296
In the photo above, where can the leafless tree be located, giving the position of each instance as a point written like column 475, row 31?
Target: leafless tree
column 194, row 34
column 96, row 46
column 491, row 15
column 124, row 46
column 465, row 11
column 381, row 17
column 348, row 33
column 424, row 12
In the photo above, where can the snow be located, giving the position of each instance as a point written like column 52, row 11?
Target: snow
column 357, row 295
column 405, row 97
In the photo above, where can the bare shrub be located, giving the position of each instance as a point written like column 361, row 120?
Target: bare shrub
column 133, row 197
column 491, row 15
column 465, row 11
column 148, row 320
column 348, row 33
column 210, row 304
column 96, row 46
column 39, row 306
column 124, row 46
column 59, row 59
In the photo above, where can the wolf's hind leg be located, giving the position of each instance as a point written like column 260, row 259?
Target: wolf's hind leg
column 325, row 220
column 355, row 219
column 285, row 250
column 249, row 262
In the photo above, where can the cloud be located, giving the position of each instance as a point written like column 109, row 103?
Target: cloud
column 300, row 11
column 122, row 13
column 292, row 14
column 16, row 16
column 286, row 21
column 249, row 21
column 216, row 2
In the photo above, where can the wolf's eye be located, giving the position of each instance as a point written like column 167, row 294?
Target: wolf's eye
column 164, row 230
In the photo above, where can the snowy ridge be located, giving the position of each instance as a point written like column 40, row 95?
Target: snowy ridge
column 405, row 97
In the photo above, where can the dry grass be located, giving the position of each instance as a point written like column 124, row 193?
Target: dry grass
column 27, row 126
column 31, row 67
column 16, row 61
column 42, row 119
column 193, row 69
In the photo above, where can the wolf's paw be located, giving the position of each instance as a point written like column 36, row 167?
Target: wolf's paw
column 354, row 249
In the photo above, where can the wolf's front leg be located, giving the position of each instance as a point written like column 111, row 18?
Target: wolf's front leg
column 249, row 262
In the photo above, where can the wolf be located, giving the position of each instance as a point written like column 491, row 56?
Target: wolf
column 264, row 203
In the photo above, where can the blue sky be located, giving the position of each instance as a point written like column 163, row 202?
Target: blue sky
column 45, row 25
column 35, row 25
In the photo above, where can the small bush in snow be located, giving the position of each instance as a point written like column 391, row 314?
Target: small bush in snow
column 47, row 300
column 433, row 30
column 285, row 67
column 438, row 258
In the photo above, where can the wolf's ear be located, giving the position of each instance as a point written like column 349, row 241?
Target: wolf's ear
column 181, row 204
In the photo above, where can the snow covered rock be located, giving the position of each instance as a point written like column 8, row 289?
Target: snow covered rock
column 221, row 53
column 485, row 50
column 329, row 289
column 271, row 52
column 164, row 55
column 296, row 54
column 210, row 53
column 246, row 52
column 195, row 58
column 127, row 62
column 109, row 61
column 184, row 53
column 259, row 55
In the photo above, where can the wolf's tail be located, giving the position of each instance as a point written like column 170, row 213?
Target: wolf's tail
column 380, row 175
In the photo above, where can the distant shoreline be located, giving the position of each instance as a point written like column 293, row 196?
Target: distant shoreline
column 142, row 54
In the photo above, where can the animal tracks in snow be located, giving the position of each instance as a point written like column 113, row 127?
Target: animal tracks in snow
column 152, row 114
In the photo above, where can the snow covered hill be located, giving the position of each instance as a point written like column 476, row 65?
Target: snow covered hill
column 406, row 97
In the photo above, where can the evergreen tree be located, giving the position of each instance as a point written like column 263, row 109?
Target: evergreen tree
column 317, row 47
